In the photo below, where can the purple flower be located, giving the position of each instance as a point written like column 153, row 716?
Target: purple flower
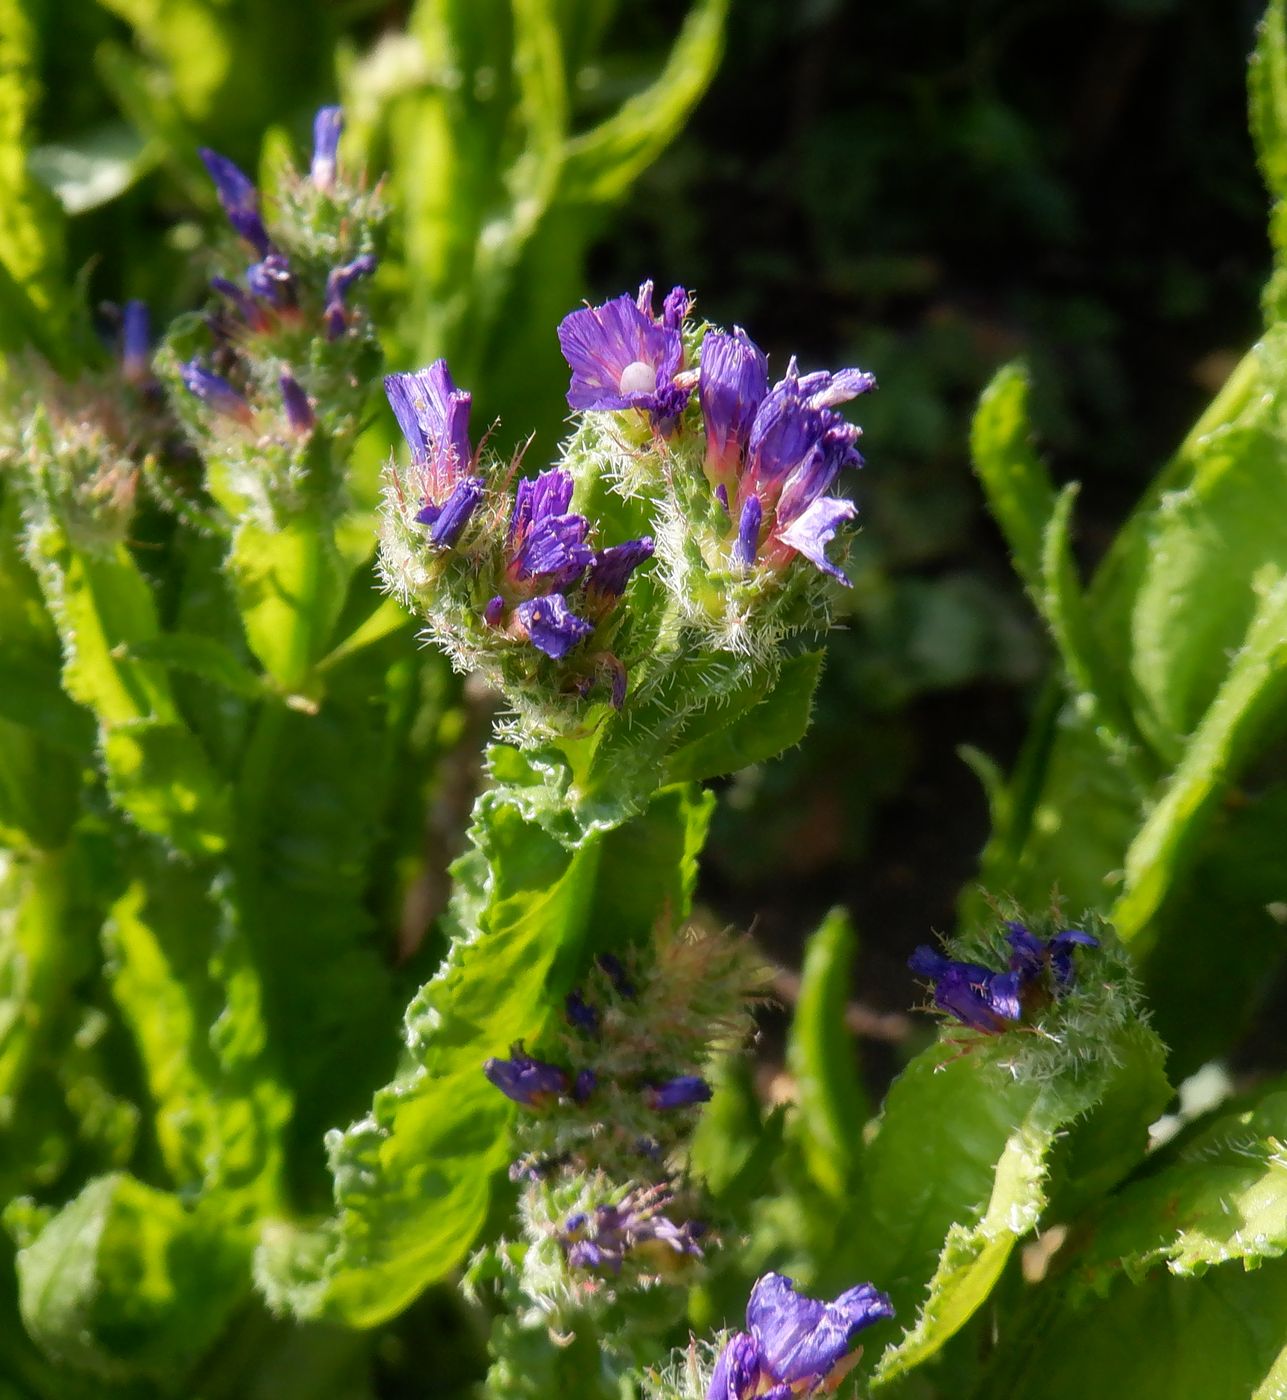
column 731, row 385
column 747, row 543
column 783, row 448
column 434, row 418
column 446, row 521
column 547, row 541
column 550, row 626
column 586, row 1083
column 614, row 970
column 213, row 390
column 977, row 996
column 240, row 200
column 270, row 278
column 136, row 342
column 530, row 1082
column 621, row 358
column 580, row 1014
column 681, row 1092
column 601, row 1240
column 299, row 412
column 327, row 126
column 610, row 569
column 338, row 281
column 794, row 1345
column 1030, row 956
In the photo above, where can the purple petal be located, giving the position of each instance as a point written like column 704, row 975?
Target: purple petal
column 299, row 412
column 452, row 517
column 580, row 1014
column 732, row 382
column 811, row 532
column 338, row 282
column 434, row 417
column 525, row 1080
column 554, row 547
column 270, row 278
column 549, row 494
column 610, row 569
column 747, row 543
column 675, row 308
column 239, row 198
column 738, row 1370
column 802, row 1339
column 551, row 626
column 978, row 997
column 212, row 389
column 825, row 390
column 681, row 1092
column 619, row 356
column 327, row 126
column 928, row 962
column 136, row 341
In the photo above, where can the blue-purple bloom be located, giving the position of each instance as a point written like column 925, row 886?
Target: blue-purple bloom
column 580, row 1013
column 615, row 971
column 586, row 1083
column 794, row 1345
column 600, row 1240
column 551, row 626
column 434, row 418
column 681, row 1092
column 988, row 1000
column 239, row 198
column 299, row 412
column 546, row 540
column 610, row 569
column 338, row 281
column 530, row 1082
column 327, row 126
column 780, row 448
column 214, row 390
column 136, row 342
column 270, row 278
column 622, row 357
column 977, row 996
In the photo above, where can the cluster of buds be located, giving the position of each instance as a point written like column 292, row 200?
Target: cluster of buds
column 1068, row 992
column 287, row 344
column 509, row 578
column 608, row 1111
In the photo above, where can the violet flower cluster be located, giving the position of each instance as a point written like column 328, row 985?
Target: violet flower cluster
column 635, row 1229
column 275, row 300
column 547, row 586
column 771, row 454
column 990, row 1000
column 794, row 1345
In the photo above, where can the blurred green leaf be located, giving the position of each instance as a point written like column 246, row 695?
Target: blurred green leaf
column 126, row 1280
column 95, row 170
column 823, row 1059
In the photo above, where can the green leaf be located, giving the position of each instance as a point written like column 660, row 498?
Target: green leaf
column 1212, row 1338
column 31, row 234
column 723, row 739
column 203, row 657
column 1251, row 693
column 181, row 977
column 94, row 170
column 126, row 1280
column 1018, row 488
column 1267, row 82
column 823, row 1059
column 957, row 1173
column 602, row 163
column 1222, row 1196
column 159, row 777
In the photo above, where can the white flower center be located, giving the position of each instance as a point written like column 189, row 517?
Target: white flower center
column 638, row 378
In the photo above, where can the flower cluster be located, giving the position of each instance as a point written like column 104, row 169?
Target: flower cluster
column 285, row 343
column 501, row 580
column 794, row 1345
column 609, row 1107
column 991, row 1000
